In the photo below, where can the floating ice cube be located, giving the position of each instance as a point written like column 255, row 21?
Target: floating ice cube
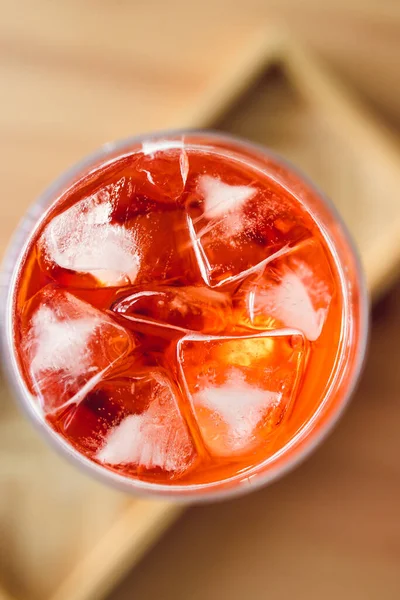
column 182, row 309
column 240, row 388
column 85, row 247
column 155, row 438
column 295, row 290
column 166, row 166
column 290, row 302
column 233, row 229
column 68, row 346
column 239, row 406
column 83, row 239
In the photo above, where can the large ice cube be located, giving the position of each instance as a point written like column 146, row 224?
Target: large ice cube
column 82, row 239
column 183, row 309
column 240, row 388
column 115, row 238
column 150, row 180
column 156, row 437
column 236, row 229
column 68, row 346
column 294, row 291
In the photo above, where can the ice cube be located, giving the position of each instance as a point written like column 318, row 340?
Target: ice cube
column 238, row 406
column 82, row 239
column 106, row 241
column 240, row 388
column 180, row 309
column 236, row 229
column 166, row 166
column 294, row 291
column 152, row 178
column 68, row 346
column 156, row 438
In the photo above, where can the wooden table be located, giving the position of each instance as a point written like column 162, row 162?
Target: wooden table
column 329, row 530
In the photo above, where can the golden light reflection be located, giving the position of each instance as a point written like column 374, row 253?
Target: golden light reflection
column 245, row 352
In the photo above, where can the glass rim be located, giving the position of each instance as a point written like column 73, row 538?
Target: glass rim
column 239, row 484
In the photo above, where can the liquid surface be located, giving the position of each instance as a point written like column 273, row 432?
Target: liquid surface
column 177, row 316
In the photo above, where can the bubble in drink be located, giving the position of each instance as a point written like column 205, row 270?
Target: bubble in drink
column 178, row 314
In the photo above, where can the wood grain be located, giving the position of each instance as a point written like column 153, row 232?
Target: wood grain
column 50, row 513
column 126, row 540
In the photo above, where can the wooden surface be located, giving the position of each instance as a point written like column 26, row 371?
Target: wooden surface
column 328, row 530
column 65, row 62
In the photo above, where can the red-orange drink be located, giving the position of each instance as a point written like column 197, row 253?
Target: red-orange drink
column 187, row 317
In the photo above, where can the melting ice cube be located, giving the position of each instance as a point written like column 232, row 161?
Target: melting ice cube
column 236, row 408
column 105, row 240
column 233, row 229
column 155, row 438
column 240, row 388
column 295, row 290
column 83, row 239
column 183, row 309
column 68, row 346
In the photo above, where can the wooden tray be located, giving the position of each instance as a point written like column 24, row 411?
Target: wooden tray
column 75, row 539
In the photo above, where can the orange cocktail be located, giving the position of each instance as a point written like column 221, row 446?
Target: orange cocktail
column 187, row 316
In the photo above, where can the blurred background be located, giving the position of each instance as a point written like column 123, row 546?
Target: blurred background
column 76, row 74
